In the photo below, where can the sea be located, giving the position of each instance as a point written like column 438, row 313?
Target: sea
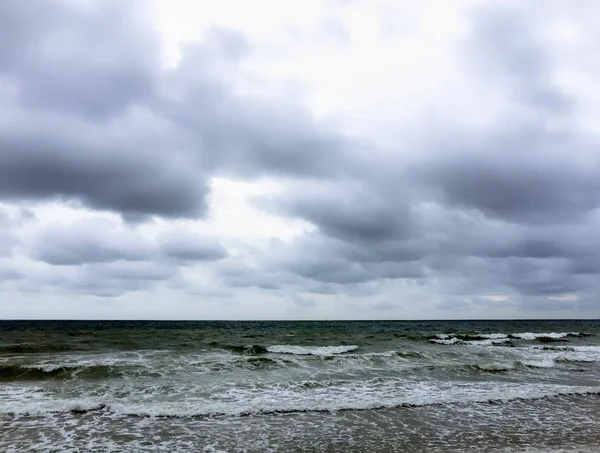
column 361, row 386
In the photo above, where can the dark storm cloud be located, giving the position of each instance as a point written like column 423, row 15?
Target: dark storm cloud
column 464, row 253
column 75, row 123
column 90, row 114
column 532, row 177
column 90, row 59
column 351, row 212
column 40, row 165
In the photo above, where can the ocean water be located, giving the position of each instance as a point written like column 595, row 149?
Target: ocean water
column 452, row 386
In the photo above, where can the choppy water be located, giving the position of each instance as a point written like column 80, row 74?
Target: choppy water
column 461, row 386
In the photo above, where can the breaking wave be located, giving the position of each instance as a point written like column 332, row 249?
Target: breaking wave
column 495, row 339
column 257, row 349
column 551, row 335
column 252, row 349
column 499, row 367
column 311, row 350
column 279, row 402
column 478, row 341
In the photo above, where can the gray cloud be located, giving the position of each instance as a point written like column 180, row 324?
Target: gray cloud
column 88, row 114
column 188, row 246
column 464, row 254
column 350, row 212
column 90, row 59
column 76, row 124
column 7, row 273
column 503, row 45
column 104, row 241
column 511, row 210
column 89, row 242
column 96, row 279
column 525, row 178
column 91, row 114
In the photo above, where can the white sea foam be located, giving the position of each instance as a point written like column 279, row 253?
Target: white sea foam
column 547, row 450
column 544, row 363
column 311, row 350
column 579, row 354
column 212, row 449
column 497, row 338
column 495, row 366
column 490, row 336
column 351, row 395
column 446, row 340
column 502, row 366
column 494, row 336
column 488, row 342
column 533, row 336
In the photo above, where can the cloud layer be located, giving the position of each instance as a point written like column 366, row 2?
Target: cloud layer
column 477, row 195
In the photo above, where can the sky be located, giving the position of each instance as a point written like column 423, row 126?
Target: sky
column 324, row 159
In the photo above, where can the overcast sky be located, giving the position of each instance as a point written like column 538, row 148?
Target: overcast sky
column 333, row 159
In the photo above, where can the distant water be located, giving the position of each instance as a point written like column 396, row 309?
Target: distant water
column 460, row 386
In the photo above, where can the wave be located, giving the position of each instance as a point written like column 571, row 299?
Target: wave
column 269, row 404
column 494, row 367
column 379, row 355
column 544, row 363
column 554, row 348
column 544, row 336
column 16, row 373
column 311, row 350
column 90, row 367
column 261, row 362
column 500, row 367
column 576, row 354
column 480, row 341
column 495, row 339
column 404, row 354
column 251, row 349
column 257, row 349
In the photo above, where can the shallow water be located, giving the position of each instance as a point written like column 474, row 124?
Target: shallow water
column 461, row 386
